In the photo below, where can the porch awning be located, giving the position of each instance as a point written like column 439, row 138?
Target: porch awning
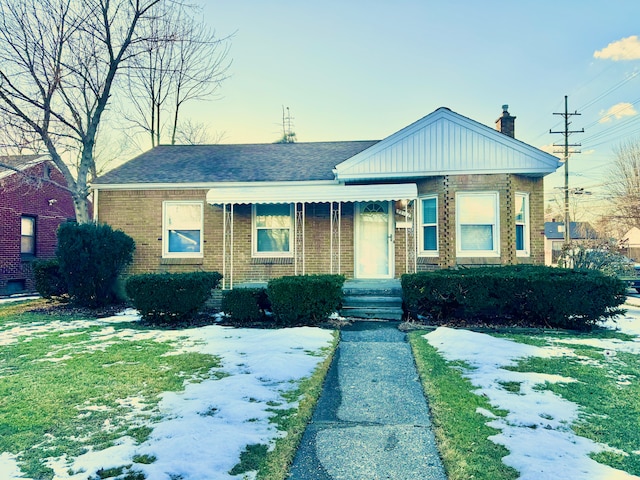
column 311, row 193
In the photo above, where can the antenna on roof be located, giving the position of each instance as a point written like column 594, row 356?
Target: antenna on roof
column 288, row 135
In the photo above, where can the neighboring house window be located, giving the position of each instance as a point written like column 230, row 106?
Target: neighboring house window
column 477, row 224
column 272, row 229
column 28, row 235
column 522, row 224
column 429, row 226
column 556, row 250
column 182, row 229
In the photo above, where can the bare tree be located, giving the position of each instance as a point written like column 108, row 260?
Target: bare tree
column 197, row 133
column 624, row 184
column 59, row 61
column 189, row 65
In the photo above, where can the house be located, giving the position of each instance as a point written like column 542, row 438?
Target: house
column 554, row 238
column 630, row 243
column 442, row 192
column 31, row 209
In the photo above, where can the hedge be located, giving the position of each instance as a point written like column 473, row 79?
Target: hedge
column 305, row 299
column 91, row 259
column 245, row 305
column 535, row 295
column 170, row 297
column 48, row 279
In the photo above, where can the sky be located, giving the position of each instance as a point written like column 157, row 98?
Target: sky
column 362, row 70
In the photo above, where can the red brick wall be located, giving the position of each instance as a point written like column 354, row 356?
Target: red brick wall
column 21, row 197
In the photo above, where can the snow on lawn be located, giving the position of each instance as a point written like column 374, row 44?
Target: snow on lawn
column 204, row 428
column 536, row 430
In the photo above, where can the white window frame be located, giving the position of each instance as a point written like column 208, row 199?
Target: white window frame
column 165, row 230
column 254, row 235
column 421, row 225
column 526, row 252
column 495, row 251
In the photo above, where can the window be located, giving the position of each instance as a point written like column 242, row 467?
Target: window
column 272, row 230
column 477, row 225
column 28, row 235
column 429, row 226
column 182, row 229
column 522, row 224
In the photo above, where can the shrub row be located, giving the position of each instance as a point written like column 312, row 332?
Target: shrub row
column 170, row 297
column 536, row 295
column 245, row 305
column 293, row 300
column 305, row 299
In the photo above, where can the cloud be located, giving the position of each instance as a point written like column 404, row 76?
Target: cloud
column 618, row 111
column 552, row 149
column 624, row 49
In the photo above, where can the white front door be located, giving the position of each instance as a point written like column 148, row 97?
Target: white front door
column 373, row 240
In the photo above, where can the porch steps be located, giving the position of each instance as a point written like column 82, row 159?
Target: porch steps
column 373, row 299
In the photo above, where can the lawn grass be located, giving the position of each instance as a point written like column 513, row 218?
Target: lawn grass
column 606, row 389
column 608, row 392
column 461, row 432
column 63, row 390
column 274, row 464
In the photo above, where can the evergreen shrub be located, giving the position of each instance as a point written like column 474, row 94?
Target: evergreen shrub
column 48, row 279
column 305, row 299
column 534, row 295
column 91, row 259
column 245, row 305
column 170, row 297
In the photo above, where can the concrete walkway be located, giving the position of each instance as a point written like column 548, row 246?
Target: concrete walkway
column 372, row 421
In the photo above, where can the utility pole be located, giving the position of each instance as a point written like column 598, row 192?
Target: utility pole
column 566, row 152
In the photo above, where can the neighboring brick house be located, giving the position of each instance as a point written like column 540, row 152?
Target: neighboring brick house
column 30, row 212
column 441, row 192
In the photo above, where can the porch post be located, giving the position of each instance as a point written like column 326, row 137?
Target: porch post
column 335, row 252
column 299, row 254
column 411, row 239
column 227, row 245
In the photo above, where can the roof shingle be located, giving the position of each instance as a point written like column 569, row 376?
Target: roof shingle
column 235, row 163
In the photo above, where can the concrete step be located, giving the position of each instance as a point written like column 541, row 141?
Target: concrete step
column 372, row 301
column 381, row 313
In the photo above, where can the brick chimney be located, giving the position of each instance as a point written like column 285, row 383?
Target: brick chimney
column 506, row 123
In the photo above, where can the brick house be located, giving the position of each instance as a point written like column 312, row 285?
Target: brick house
column 30, row 212
column 443, row 191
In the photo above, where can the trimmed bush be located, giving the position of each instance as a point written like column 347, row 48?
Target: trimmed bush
column 535, row 295
column 48, row 279
column 170, row 297
column 305, row 299
column 245, row 305
column 91, row 259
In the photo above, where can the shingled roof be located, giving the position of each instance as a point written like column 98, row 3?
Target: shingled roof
column 19, row 162
column 235, row 163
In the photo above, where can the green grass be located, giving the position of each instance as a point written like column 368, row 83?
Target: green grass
column 61, row 391
column 274, row 464
column 608, row 392
column 607, row 389
column 460, row 431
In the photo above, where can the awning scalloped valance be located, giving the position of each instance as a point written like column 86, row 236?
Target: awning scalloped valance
column 311, row 193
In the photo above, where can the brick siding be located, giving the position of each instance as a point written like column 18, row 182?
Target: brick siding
column 21, row 197
column 139, row 214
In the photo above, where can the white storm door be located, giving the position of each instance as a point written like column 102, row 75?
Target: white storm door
column 374, row 240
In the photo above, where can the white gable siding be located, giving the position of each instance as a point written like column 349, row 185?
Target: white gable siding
column 444, row 143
